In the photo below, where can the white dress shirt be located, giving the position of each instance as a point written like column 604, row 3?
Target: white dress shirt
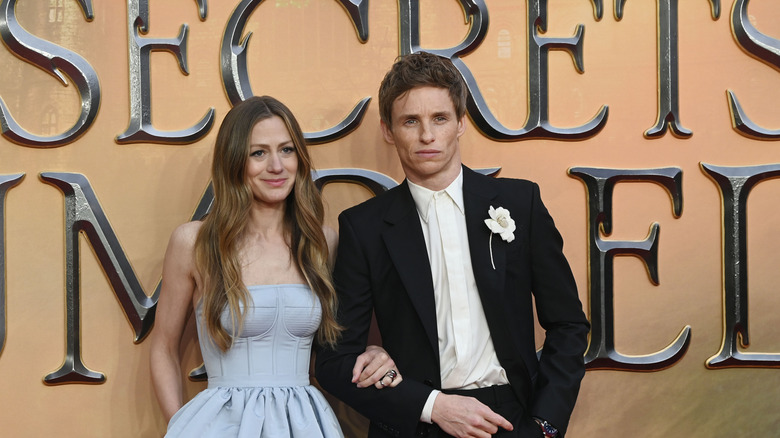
column 473, row 364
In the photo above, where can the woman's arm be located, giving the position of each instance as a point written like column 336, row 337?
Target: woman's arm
column 173, row 309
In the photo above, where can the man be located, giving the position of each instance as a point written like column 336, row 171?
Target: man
column 449, row 261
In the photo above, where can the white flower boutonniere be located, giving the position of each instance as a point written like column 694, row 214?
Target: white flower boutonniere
column 500, row 223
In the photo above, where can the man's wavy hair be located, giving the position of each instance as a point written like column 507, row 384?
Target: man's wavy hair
column 421, row 69
column 216, row 246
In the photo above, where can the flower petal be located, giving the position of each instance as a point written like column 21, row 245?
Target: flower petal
column 495, row 227
column 508, row 236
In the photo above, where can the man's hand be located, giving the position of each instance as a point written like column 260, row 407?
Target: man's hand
column 464, row 417
column 372, row 368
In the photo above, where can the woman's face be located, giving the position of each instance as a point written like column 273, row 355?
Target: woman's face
column 272, row 163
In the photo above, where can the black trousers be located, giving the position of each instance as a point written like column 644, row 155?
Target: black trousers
column 502, row 400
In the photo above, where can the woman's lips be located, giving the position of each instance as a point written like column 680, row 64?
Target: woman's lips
column 275, row 182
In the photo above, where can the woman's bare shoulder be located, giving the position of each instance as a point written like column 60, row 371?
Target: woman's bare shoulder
column 179, row 264
column 182, row 241
column 186, row 233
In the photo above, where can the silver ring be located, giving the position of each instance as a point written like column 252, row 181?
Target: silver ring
column 392, row 374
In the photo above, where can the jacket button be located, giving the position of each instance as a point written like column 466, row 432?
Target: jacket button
column 428, row 382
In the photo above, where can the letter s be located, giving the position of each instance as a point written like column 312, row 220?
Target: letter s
column 58, row 62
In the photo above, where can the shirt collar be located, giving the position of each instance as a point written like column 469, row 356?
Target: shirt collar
column 423, row 196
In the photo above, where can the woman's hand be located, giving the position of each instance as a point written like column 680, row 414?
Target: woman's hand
column 375, row 367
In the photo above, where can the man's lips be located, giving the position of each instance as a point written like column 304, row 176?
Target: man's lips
column 427, row 153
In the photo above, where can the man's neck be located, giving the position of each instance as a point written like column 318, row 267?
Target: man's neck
column 437, row 182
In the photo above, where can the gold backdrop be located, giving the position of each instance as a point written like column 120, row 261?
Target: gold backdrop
column 307, row 54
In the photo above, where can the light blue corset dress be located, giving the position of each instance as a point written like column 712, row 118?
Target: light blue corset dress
column 260, row 386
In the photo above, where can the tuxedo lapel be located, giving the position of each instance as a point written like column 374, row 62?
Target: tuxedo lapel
column 406, row 245
column 478, row 193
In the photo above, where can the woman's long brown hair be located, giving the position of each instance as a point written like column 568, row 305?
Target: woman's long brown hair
column 216, row 246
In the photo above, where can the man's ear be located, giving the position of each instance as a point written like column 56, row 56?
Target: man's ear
column 462, row 125
column 387, row 133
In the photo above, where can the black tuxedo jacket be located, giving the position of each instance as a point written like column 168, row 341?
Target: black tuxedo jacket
column 382, row 266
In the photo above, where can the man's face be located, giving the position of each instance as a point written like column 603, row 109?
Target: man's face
column 425, row 131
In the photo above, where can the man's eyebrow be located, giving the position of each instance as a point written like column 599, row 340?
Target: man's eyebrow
column 417, row 116
column 408, row 116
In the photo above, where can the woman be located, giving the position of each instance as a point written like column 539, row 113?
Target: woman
column 256, row 270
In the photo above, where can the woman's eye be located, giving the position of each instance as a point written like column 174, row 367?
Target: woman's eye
column 288, row 150
column 257, row 153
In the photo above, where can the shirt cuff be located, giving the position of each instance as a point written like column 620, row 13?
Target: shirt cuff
column 425, row 416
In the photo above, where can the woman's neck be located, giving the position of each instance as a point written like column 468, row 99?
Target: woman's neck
column 266, row 221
